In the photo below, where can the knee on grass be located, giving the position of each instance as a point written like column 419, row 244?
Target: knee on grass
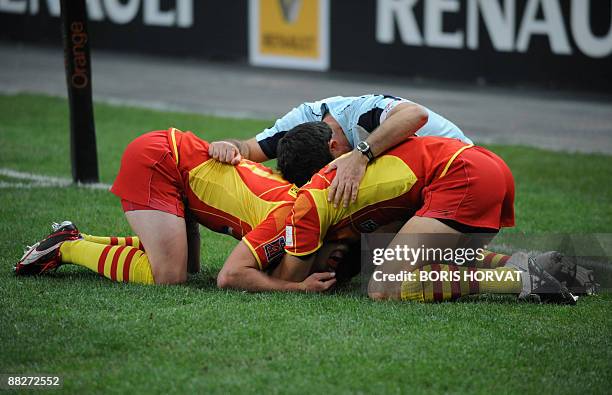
column 225, row 279
column 169, row 276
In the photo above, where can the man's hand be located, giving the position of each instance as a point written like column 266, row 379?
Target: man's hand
column 225, row 152
column 349, row 172
column 318, row 282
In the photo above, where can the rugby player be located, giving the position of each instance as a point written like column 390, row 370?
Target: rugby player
column 433, row 185
column 162, row 173
column 366, row 125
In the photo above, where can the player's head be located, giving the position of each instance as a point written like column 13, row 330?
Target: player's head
column 340, row 257
column 328, row 257
column 338, row 144
column 350, row 264
column 303, row 151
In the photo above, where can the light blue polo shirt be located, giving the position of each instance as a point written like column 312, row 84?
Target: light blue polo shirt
column 358, row 116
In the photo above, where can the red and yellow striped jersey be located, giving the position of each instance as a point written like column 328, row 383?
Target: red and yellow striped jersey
column 393, row 188
column 247, row 201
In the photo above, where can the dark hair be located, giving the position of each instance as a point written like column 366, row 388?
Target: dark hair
column 303, row 151
column 350, row 266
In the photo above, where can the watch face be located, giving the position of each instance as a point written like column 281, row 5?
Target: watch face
column 364, row 148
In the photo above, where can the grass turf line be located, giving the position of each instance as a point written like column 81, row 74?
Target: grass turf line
column 100, row 335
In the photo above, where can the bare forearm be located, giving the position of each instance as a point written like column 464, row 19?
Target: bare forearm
column 402, row 123
column 253, row 280
column 249, row 149
column 243, row 147
column 293, row 268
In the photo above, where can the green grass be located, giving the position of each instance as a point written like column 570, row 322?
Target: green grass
column 101, row 336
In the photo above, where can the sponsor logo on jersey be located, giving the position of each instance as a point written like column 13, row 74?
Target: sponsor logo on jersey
column 275, row 249
column 368, row 226
column 293, row 191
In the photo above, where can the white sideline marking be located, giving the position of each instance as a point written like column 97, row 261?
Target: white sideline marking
column 42, row 181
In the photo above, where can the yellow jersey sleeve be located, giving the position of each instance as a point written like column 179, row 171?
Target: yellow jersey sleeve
column 267, row 240
column 306, row 226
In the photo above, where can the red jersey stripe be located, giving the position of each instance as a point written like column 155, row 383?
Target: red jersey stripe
column 503, row 261
column 488, row 259
column 127, row 264
column 102, row 259
column 115, row 263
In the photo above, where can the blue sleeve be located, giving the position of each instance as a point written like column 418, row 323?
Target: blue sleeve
column 367, row 114
column 373, row 110
column 439, row 126
column 268, row 139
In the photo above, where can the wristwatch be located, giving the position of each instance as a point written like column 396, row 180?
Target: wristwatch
column 364, row 148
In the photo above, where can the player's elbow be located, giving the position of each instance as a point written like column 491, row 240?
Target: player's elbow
column 227, row 279
column 376, row 295
column 410, row 117
column 419, row 115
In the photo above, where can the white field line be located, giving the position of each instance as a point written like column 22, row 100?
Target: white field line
column 156, row 105
column 41, row 181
